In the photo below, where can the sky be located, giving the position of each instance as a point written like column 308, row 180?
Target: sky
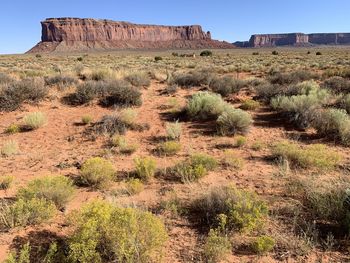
column 230, row 20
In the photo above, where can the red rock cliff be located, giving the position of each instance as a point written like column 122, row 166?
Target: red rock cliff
column 65, row 34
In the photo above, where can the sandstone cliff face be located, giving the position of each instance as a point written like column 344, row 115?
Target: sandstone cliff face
column 74, row 34
column 299, row 39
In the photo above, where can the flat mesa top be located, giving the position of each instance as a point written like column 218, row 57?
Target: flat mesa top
column 105, row 21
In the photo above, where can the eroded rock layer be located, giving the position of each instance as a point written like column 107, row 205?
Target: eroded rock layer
column 296, row 39
column 75, row 34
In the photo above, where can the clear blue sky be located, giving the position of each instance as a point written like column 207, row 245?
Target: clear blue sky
column 229, row 20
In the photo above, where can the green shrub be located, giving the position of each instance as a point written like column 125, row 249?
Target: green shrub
column 216, row 247
column 313, row 156
column 105, row 233
column 242, row 210
column 169, row 148
column 9, row 148
column 226, row 85
column 232, row 160
column 240, row 141
column 206, row 53
column 195, row 167
column 233, row 121
column 333, row 124
column 57, row 189
column 145, row 168
column 13, row 128
column 5, row 182
column 23, row 256
column 34, row 120
column 128, row 116
column 205, row 106
column 97, row 172
column 134, row 186
column 173, row 130
column 263, row 244
column 250, row 104
column 86, row 119
column 124, row 146
column 26, row 212
column 138, row 79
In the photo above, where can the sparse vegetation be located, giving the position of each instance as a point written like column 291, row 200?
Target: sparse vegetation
column 86, row 119
column 216, row 247
column 5, row 181
column 169, row 148
column 134, row 186
column 173, row 130
column 233, row 121
column 9, row 148
column 263, row 244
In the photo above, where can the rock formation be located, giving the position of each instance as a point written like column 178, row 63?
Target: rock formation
column 74, row 34
column 296, row 39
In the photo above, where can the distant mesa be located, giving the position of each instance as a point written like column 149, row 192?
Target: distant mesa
column 76, row 34
column 295, row 39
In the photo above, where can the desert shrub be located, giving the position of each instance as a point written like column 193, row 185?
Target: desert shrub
column 57, row 189
column 242, row 210
column 9, row 148
column 128, row 116
column 122, row 94
column 145, row 168
column 14, row 94
column 206, row 53
column 86, row 92
column 24, row 212
column 344, row 103
column 291, row 77
column 274, row 52
column 205, row 106
column 263, row 244
column 23, row 255
column 194, row 168
column 13, row 128
column 5, row 78
column 124, row 146
column 318, row 53
column 103, row 232
column 173, row 130
column 313, row 156
column 101, row 74
column 86, row 119
column 333, row 124
column 61, row 81
column 216, row 247
column 232, row 160
column 158, row 58
column 233, row 121
column 337, row 85
column 97, row 172
column 240, row 141
column 226, row 85
column 138, row 79
column 170, row 90
column 134, row 186
column 169, row 148
column 250, row 104
column 300, row 110
column 5, row 182
column 193, row 78
column 257, row 145
column 111, row 124
column 34, row 120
